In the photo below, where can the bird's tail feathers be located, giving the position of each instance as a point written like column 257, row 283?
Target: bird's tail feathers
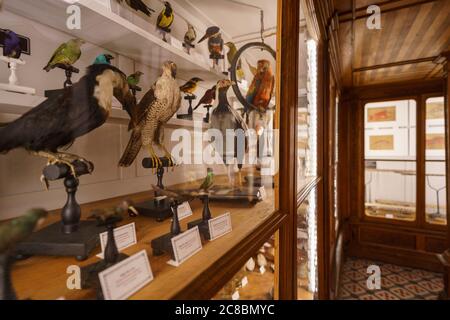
column 132, row 149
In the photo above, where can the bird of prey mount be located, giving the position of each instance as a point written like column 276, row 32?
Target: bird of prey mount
column 149, row 117
column 75, row 111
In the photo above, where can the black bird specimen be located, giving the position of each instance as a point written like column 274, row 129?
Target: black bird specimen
column 139, row 5
column 165, row 19
column 62, row 118
column 224, row 118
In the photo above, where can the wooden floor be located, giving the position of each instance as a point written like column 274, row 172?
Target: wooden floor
column 43, row 277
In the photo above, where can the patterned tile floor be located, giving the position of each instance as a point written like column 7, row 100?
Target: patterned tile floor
column 397, row 283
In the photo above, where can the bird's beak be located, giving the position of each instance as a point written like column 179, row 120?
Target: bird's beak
column 133, row 209
column 203, row 39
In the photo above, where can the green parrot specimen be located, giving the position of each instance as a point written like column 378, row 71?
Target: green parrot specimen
column 67, row 54
column 133, row 79
column 209, row 181
column 20, row 228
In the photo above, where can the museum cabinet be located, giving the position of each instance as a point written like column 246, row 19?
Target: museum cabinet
column 274, row 194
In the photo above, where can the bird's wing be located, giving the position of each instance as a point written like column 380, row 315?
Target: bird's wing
column 140, row 110
column 57, row 53
column 158, row 21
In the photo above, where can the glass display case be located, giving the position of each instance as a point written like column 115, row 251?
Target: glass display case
column 178, row 160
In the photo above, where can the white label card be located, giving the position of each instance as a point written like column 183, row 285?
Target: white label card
column 127, row 277
column 105, row 3
column 235, row 296
column 185, row 246
column 125, row 237
column 220, row 226
column 184, row 211
column 262, row 270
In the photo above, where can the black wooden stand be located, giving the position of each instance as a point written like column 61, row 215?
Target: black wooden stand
column 207, row 117
column 70, row 237
column 215, row 58
column 6, row 288
column 160, row 210
column 202, row 224
column 135, row 89
column 112, row 256
column 163, row 244
column 188, row 116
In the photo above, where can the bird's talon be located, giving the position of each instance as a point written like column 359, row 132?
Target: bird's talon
column 44, row 181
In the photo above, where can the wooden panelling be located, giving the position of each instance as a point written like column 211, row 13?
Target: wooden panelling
column 436, row 245
column 386, row 238
column 410, row 30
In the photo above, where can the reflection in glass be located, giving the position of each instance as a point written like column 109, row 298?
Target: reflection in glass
column 435, row 184
column 256, row 279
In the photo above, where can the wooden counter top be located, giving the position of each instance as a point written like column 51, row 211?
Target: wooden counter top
column 42, row 277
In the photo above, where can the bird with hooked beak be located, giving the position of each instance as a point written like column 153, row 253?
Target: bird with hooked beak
column 149, row 117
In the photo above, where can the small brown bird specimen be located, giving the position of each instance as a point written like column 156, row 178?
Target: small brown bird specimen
column 208, row 98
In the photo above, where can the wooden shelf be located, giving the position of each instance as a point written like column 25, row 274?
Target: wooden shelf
column 18, row 104
column 113, row 32
column 45, row 277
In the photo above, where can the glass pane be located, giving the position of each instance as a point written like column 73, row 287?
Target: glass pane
column 307, row 248
column 307, row 112
column 435, row 182
column 191, row 127
column 256, row 279
column 390, row 166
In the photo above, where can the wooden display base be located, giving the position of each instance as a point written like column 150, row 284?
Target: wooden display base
column 163, row 244
column 157, row 210
column 89, row 275
column 51, row 241
column 249, row 194
column 203, row 228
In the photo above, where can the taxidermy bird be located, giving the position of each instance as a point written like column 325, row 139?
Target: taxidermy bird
column 139, row 5
column 208, row 98
column 67, row 54
column 191, row 86
column 11, row 45
column 232, row 50
column 190, row 35
column 165, row 18
column 114, row 214
column 135, row 78
column 208, row 182
column 20, row 228
column 103, row 58
column 261, row 89
column 148, row 118
column 224, row 117
column 62, row 118
column 215, row 41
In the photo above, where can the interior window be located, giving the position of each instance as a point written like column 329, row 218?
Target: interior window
column 435, row 193
column 390, row 160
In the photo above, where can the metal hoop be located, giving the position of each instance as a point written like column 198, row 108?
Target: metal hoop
column 247, row 106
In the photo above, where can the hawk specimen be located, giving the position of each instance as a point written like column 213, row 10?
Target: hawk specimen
column 148, row 118
column 59, row 120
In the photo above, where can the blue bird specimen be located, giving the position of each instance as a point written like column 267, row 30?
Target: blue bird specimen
column 11, row 47
column 103, row 58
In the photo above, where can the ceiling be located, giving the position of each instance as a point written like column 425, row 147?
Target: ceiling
column 413, row 33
